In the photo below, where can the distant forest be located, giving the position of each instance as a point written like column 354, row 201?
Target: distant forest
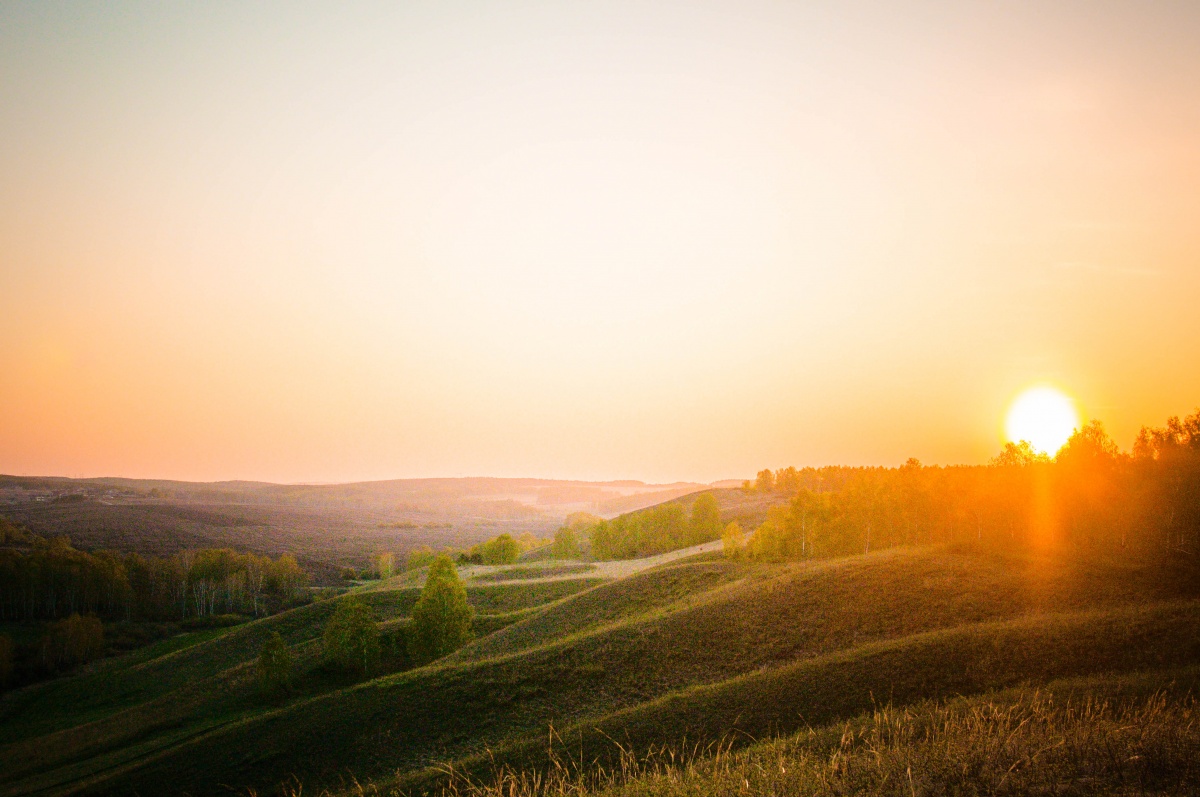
column 1091, row 496
column 44, row 579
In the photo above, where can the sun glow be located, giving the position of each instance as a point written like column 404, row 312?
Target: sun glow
column 1043, row 416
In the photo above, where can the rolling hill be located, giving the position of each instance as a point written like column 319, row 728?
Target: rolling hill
column 692, row 650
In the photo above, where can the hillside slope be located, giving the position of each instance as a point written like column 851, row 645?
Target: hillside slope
column 766, row 644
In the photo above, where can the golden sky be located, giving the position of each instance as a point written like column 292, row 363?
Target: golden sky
column 327, row 242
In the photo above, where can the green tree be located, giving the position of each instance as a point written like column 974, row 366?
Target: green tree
column 6, row 660
column 419, row 557
column 441, row 620
column 502, row 550
column 566, row 544
column 352, row 637
column 384, row 564
column 75, row 640
column 275, row 666
column 706, row 519
column 733, row 543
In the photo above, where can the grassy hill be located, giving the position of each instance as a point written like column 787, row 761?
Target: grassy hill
column 690, row 651
column 123, row 708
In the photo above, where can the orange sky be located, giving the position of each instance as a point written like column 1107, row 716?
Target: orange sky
column 645, row 240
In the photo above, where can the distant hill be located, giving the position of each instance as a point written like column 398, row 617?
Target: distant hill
column 334, row 523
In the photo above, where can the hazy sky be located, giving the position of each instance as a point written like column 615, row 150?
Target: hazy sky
column 305, row 241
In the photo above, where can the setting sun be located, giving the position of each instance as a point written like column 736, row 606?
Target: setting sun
column 1043, row 416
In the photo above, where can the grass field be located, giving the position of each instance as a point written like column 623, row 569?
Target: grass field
column 695, row 651
column 124, row 708
column 1107, row 735
column 685, row 653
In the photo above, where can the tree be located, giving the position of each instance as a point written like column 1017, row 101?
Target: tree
column 419, row 557
column 566, row 544
column 732, row 542
column 502, row 550
column 706, row 519
column 275, row 666
column 383, row 564
column 75, row 640
column 441, row 620
column 352, row 637
column 765, row 481
column 6, row 660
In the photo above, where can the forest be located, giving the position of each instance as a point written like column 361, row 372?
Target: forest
column 46, row 579
column 1090, row 497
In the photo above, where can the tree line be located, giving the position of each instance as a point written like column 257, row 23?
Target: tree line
column 1090, row 496
column 48, row 579
column 658, row 529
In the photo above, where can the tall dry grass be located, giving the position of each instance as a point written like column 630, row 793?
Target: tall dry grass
column 1033, row 745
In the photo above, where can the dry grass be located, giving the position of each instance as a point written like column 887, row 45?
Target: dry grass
column 1032, row 744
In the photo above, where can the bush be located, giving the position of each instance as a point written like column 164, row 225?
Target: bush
column 566, row 544
column 502, row 550
column 73, row 641
column 441, row 620
column 733, row 543
column 419, row 557
column 6, row 661
column 212, row 621
column 352, row 637
column 275, row 666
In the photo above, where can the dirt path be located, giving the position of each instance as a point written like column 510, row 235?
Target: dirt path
column 621, row 568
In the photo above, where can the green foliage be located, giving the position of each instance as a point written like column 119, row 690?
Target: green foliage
column 351, row 638
column 71, row 642
column 275, row 664
column 659, row 529
column 706, row 519
column 733, row 543
column 419, row 557
column 6, row 660
column 501, row 550
column 441, row 620
column 566, row 544
column 12, row 534
column 383, row 564
column 52, row 579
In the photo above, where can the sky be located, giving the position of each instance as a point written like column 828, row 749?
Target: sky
column 342, row 241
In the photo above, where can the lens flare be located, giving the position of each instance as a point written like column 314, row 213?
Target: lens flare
column 1043, row 416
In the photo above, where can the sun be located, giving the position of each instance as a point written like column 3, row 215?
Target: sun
column 1043, row 416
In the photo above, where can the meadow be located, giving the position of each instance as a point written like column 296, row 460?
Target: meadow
column 690, row 655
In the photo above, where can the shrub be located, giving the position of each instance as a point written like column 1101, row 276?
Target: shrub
column 73, row 641
column 566, row 544
column 732, row 541
column 441, row 620
column 275, row 666
column 419, row 557
column 6, row 660
column 502, row 550
column 351, row 637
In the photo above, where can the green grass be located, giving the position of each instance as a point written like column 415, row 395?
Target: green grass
column 138, row 704
column 608, row 603
column 534, row 571
column 695, row 650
